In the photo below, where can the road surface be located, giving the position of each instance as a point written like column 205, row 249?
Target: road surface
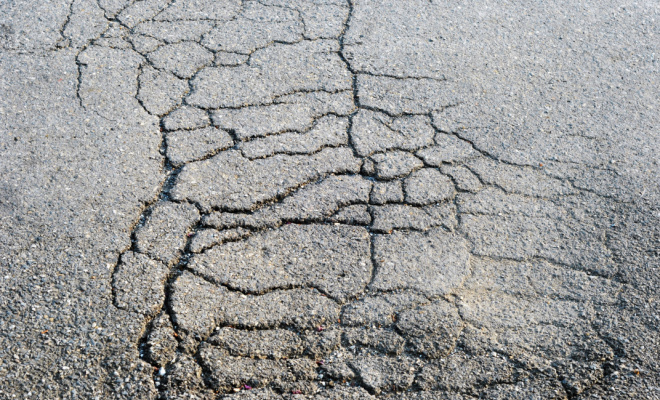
column 329, row 199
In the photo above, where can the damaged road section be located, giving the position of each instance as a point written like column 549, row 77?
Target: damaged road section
column 373, row 199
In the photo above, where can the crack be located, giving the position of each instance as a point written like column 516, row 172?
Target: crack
column 483, row 152
column 283, row 7
column 170, row 173
column 297, row 153
column 152, row 17
column 271, row 220
column 274, row 99
column 258, row 293
column 354, row 88
column 106, row 14
column 503, row 189
column 372, row 257
column 81, row 65
column 396, row 115
column 570, row 181
column 65, row 41
column 139, row 87
column 403, row 77
column 277, row 198
column 205, row 249
column 307, row 129
column 574, row 184
column 113, row 18
column 554, row 263
column 79, row 83
column 251, row 53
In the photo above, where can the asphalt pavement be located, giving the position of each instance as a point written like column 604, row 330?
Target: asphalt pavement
column 329, row 199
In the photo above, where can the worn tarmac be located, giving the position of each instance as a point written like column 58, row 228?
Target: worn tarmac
column 329, row 199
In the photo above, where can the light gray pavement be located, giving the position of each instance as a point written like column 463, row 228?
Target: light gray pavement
column 329, row 199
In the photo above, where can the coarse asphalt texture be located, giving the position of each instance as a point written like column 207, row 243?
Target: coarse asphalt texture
column 329, row 199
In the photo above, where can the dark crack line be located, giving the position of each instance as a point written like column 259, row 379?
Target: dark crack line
column 275, row 99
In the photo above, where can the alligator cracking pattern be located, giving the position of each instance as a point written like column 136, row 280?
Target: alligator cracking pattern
column 319, row 235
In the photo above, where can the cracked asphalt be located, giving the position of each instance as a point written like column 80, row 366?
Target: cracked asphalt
column 329, row 199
